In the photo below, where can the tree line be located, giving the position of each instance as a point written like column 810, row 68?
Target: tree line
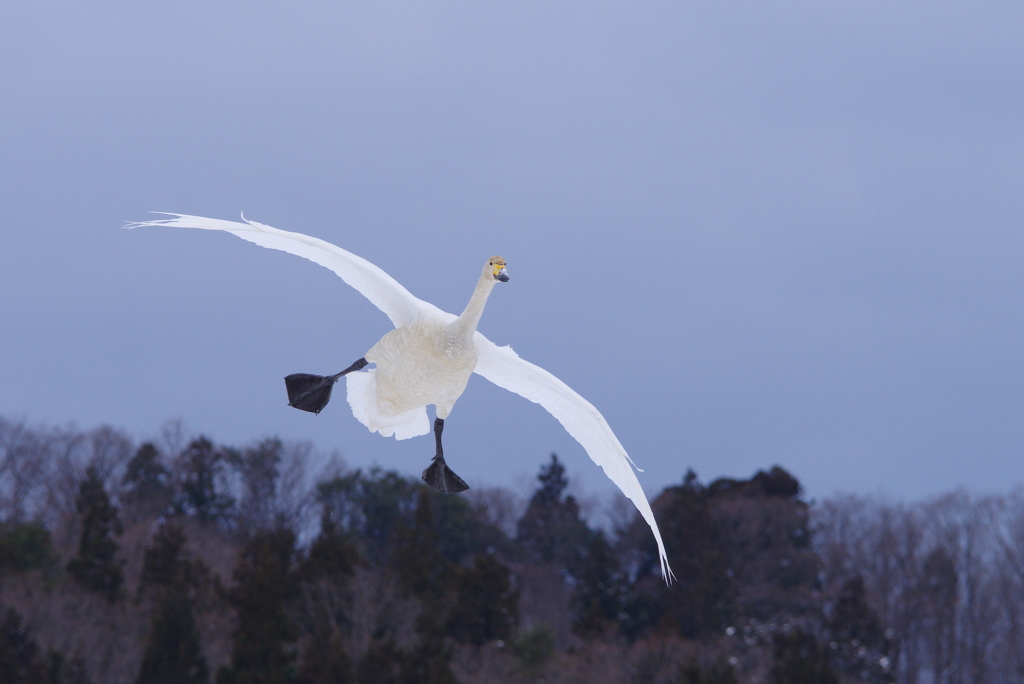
column 180, row 560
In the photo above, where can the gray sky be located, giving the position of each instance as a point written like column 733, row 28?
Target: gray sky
column 750, row 233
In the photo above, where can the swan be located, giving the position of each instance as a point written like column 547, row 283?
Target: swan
column 428, row 359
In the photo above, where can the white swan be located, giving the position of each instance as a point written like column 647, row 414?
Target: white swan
column 427, row 359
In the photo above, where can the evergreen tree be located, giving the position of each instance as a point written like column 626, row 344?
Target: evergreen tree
column 173, row 652
column 534, row 648
column 94, row 566
column 24, row 546
column 367, row 507
column 551, row 527
column 147, row 480
column 857, row 635
column 332, row 555
column 201, row 465
column 427, row 663
column 162, row 562
column 766, row 538
column 381, row 664
column 427, row 575
column 939, row 589
column 718, row 673
column 799, row 659
column 415, row 558
column 486, row 607
column 22, row 663
column 598, row 594
column 259, row 468
column 325, row 661
column 325, row 573
column 60, row 670
column 699, row 602
column 852, row 618
column 264, row 583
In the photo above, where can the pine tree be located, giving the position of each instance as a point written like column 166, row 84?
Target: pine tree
column 147, row 480
column 381, row 664
column 173, row 653
column 21, row 661
column 415, row 557
column 600, row 584
column 939, row 588
column 332, row 555
column 325, row 573
column 162, row 562
column 717, row 673
column 427, row 575
column 551, row 528
column 486, row 607
column 24, row 546
column 367, row 507
column 799, row 659
column 94, row 566
column 264, row 583
column 60, row 670
column 699, row 603
column 427, row 663
column 859, row 643
column 325, row 661
column 258, row 468
column 200, row 465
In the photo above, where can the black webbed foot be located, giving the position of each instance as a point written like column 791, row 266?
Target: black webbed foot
column 312, row 392
column 309, row 392
column 439, row 476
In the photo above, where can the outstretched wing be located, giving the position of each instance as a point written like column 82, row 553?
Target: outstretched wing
column 504, row 368
column 381, row 289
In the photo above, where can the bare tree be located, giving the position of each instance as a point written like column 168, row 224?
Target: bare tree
column 108, row 451
column 24, row 456
column 1007, row 525
column 946, row 577
column 274, row 487
column 499, row 506
column 880, row 542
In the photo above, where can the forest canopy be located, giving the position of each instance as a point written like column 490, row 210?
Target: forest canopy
column 184, row 560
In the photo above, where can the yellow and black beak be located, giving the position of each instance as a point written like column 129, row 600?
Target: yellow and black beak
column 500, row 273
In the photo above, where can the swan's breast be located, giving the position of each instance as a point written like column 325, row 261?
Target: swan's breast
column 420, row 364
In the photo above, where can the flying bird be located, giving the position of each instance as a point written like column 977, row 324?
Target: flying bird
column 428, row 359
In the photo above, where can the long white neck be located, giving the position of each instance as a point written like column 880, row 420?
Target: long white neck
column 466, row 324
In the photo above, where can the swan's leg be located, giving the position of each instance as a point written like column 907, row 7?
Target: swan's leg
column 438, row 475
column 312, row 392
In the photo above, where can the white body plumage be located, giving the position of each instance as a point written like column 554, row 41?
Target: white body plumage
column 418, row 365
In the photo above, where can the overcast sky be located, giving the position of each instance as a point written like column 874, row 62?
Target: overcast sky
column 751, row 233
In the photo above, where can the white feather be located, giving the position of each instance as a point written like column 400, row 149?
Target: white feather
column 361, row 391
column 500, row 365
column 386, row 293
column 503, row 367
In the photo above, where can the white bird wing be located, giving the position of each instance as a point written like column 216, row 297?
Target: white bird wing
column 386, row 293
column 504, row 368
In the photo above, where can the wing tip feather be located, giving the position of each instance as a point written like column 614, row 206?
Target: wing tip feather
column 666, row 571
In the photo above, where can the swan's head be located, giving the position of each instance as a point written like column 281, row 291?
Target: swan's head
column 497, row 267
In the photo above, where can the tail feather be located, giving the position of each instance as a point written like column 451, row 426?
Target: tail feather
column 361, row 391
